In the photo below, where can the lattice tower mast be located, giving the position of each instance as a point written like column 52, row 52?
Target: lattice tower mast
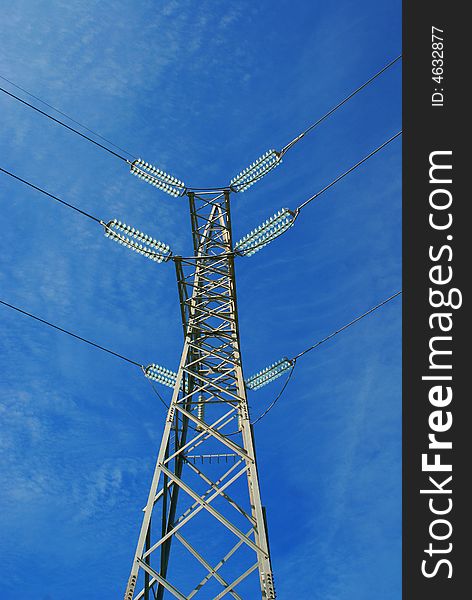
column 203, row 533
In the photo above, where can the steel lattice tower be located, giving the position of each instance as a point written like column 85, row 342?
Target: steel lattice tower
column 203, row 533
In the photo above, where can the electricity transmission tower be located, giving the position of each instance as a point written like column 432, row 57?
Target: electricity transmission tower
column 203, row 532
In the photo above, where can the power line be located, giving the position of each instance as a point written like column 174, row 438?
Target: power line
column 74, row 335
column 277, row 398
column 260, row 231
column 121, row 233
column 110, row 228
column 344, row 327
column 335, row 108
column 261, row 244
column 67, row 116
column 283, row 151
column 297, row 211
column 64, row 124
column 82, row 339
column 315, row 345
column 293, row 360
column 353, row 168
column 137, row 364
column 59, row 122
column 56, row 198
column 268, row 161
column 161, row 399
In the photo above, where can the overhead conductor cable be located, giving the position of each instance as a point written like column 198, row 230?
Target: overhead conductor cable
column 115, row 230
column 60, row 112
column 169, row 184
column 272, row 158
column 42, row 112
column 335, row 108
column 285, row 218
column 293, row 361
column 168, row 378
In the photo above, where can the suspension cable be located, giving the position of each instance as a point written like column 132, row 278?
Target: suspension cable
column 223, row 188
column 296, row 212
column 315, row 345
column 277, row 398
column 42, row 112
column 74, row 335
column 350, row 170
column 18, row 87
column 293, row 360
column 335, row 108
column 350, row 324
column 56, row 198
column 100, row 221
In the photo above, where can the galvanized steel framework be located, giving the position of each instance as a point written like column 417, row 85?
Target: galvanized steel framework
column 204, row 500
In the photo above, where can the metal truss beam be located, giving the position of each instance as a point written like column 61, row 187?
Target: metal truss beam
column 200, row 514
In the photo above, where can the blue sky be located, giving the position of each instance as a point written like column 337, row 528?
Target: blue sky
column 200, row 89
